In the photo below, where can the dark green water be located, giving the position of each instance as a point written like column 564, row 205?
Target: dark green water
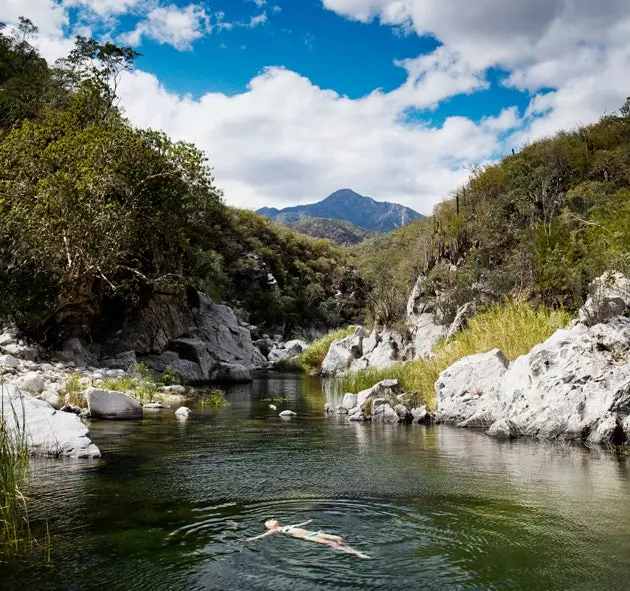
column 437, row 508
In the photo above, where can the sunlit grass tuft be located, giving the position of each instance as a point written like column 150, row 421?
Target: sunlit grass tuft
column 513, row 327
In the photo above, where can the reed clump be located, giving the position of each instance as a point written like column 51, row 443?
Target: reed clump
column 15, row 533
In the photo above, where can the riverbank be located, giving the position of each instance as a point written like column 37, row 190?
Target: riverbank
column 572, row 386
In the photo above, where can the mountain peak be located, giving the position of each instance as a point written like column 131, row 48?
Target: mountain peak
column 347, row 205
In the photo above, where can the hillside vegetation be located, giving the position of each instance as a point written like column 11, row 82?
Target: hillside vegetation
column 338, row 232
column 539, row 224
column 97, row 215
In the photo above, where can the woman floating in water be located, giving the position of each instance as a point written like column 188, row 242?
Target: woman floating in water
column 296, row 531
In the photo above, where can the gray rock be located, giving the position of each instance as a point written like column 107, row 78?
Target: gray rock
column 170, row 400
column 382, row 412
column 124, row 361
column 75, row 351
column 385, row 354
column 468, row 388
column 349, row 401
column 232, row 372
column 176, row 389
column 112, row 405
column 500, row 430
column 264, row 345
column 387, row 389
column 575, row 385
column 8, row 361
column 32, row 382
column 153, row 406
column 403, row 413
column 328, row 408
column 341, row 410
column 426, row 333
column 51, row 397
column 286, row 351
column 609, row 297
column 48, row 432
column 339, row 357
column 287, row 414
column 370, row 343
column 183, row 412
column 421, row 415
column 342, row 353
column 192, row 339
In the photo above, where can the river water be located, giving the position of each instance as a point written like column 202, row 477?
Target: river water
column 168, row 505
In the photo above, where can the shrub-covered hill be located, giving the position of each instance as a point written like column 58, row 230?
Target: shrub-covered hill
column 338, row 232
column 97, row 215
column 541, row 223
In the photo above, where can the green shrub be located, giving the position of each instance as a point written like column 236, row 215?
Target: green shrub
column 213, row 398
column 512, row 327
column 311, row 359
column 72, row 392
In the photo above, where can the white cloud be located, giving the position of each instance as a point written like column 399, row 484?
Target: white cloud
column 286, row 140
column 104, row 8
column 171, row 25
column 48, row 15
column 579, row 48
column 259, row 19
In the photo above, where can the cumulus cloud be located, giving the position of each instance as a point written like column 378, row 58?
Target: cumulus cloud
column 317, row 142
column 578, row 48
column 171, row 25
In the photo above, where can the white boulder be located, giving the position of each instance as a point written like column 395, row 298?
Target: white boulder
column 32, row 382
column 48, row 432
column 183, row 412
column 112, row 405
column 575, row 385
column 8, row 361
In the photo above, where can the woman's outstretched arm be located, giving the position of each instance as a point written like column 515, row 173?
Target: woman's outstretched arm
column 261, row 536
column 303, row 523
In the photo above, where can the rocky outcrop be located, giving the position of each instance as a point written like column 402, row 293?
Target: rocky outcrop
column 112, row 405
column 609, row 295
column 384, row 402
column 575, row 385
column 48, row 432
column 232, row 372
column 194, row 340
column 286, row 351
column 423, row 321
column 343, row 352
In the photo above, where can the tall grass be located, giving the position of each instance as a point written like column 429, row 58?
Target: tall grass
column 15, row 535
column 311, row 360
column 513, row 327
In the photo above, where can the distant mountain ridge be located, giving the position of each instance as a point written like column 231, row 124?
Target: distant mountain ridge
column 346, row 205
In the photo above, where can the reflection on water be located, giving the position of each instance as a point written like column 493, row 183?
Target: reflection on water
column 168, row 505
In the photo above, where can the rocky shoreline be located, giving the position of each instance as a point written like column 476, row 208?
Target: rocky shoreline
column 574, row 386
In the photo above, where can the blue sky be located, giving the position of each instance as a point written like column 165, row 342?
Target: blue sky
column 397, row 99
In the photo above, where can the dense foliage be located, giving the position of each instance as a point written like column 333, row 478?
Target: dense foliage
column 541, row 223
column 96, row 215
